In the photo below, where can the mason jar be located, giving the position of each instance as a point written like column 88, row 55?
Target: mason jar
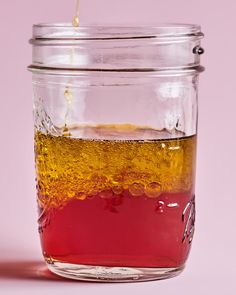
column 115, row 119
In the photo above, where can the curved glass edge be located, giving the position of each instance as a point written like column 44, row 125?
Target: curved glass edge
column 56, row 31
column 77, row 71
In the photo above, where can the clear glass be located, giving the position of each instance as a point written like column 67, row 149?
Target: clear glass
column 115, row 112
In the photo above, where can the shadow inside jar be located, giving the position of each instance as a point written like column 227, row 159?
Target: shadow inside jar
column 27, row 270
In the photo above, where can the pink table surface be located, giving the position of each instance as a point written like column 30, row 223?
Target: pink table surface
column 211, row 268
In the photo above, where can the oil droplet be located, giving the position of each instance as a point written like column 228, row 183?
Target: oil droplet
column 75, row 21
column 66, row 131
column 153, row 190
column 117, row 190
column 160, row 207
column 136, row 189
column 68, row 95
column 69, row 98
column 81, row 196
column 44, row 150
column 106, row 194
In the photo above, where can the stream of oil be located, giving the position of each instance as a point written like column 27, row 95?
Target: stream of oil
column 68, row 92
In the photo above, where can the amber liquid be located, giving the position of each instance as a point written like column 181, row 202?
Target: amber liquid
column 109, row 202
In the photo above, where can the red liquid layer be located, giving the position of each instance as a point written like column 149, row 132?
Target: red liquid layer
column 122, row 230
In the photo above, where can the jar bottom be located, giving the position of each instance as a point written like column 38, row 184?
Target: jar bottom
column 111, row 274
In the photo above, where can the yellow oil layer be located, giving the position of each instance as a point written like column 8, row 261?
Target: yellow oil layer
column 80, row 168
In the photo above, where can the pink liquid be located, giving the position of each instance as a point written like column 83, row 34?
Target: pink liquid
column 122, row 230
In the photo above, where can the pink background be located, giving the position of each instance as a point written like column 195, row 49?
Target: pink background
column 211, row 266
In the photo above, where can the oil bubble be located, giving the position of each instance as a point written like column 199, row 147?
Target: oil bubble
column 106, row 194
column 136, row 189
column 117, row 190
column 153, row 190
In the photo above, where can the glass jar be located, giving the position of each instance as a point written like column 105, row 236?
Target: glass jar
column 115, row 114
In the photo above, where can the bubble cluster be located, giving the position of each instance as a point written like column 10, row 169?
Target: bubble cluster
column 70, row 168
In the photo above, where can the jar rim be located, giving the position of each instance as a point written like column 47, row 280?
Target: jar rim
column 66, row 31
column 160, row 47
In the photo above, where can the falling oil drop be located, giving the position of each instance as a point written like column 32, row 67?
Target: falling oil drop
column 75, row 21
